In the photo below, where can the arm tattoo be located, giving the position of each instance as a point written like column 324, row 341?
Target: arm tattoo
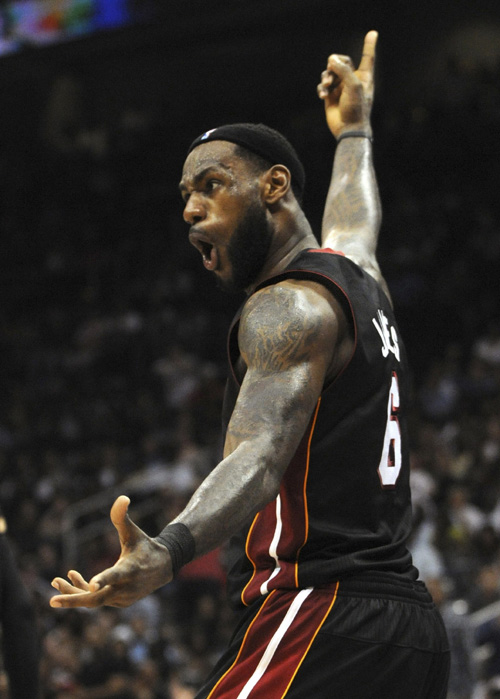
column 286, row 346
column 353, row 212
column 271, row 342
column 353, row 201
column 280, row 343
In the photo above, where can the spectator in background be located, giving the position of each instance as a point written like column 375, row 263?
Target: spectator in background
column 426, row 555
column 488, row 636
column 487, row 347
column 463, row 673
column 486, row 589
column 459, row 521
column 20, row 640
column 493, row 688
column 440, row 394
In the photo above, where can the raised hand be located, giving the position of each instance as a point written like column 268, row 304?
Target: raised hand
column 348, row 93
column 143, row 566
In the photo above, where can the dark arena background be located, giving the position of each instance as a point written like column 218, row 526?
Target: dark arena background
column 113, row 336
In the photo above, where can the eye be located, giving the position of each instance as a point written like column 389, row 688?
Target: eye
column 211, row 185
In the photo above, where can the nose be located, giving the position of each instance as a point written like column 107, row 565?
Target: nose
column 194, row 211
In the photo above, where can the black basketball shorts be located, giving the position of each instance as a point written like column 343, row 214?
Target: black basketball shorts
column 337, row 642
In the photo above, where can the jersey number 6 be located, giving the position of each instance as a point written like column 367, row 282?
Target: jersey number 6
column 390, row 462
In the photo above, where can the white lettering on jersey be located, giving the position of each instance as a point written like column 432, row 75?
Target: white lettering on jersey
column 389, row 337
column 391, row 460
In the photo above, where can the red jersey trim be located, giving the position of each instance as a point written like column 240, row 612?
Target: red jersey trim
column 334, row 599
column 254, row 621
column 276, row 644
column 328, row 250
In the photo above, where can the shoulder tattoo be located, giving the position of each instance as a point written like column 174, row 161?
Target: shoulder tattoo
column 279, row 328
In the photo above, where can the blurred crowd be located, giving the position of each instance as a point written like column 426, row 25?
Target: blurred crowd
column 113, row 366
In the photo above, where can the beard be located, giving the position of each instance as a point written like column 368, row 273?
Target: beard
column 248, row 249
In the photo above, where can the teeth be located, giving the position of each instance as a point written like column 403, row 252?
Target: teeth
column 206, row 249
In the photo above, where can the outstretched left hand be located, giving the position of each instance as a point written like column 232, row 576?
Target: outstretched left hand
column 144, row 565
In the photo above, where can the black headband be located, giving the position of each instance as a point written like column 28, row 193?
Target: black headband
column 262, row 140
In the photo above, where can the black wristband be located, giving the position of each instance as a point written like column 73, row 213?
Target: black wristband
column 180, row 544
column 355, row 134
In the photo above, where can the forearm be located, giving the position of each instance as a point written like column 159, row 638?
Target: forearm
column 228, row 499
column 353, row 213
column 257, row 455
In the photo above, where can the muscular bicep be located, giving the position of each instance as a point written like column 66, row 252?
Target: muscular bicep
column 288, row 335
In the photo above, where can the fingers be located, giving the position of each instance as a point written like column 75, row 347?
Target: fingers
column 78, row 592
column 339, row 69
column 340, row 66
column 128, row 532
column 367, row 63
column 78, row 580
column 69, row 599
column 119, row 510
column 115, row 575
column 125, row 582
column 106, row 587
column 79, row 583
column 329, row 81
column 64, row 586
column 72, row 593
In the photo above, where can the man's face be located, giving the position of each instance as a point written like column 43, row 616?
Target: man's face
column 228, row 221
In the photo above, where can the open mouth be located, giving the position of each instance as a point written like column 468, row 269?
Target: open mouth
column 207, row 250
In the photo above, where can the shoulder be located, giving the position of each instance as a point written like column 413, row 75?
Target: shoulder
column 303, row 301
column 297, row 319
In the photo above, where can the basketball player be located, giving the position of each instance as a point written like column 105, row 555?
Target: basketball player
column 313, row 488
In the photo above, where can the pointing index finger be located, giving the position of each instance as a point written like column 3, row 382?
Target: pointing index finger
column 369, row 49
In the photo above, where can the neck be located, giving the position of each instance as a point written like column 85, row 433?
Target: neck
column 293, row 234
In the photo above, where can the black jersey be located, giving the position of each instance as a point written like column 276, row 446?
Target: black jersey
column 344, row 504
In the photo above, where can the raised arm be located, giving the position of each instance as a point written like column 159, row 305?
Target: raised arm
column 352, row 216
column 287, row 362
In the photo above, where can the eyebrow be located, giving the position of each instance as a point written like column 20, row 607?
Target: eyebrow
column 203, row 173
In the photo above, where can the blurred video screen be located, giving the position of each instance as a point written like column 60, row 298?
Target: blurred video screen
column 36, row 23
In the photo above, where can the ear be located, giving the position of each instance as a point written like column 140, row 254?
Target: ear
column 277, row 182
